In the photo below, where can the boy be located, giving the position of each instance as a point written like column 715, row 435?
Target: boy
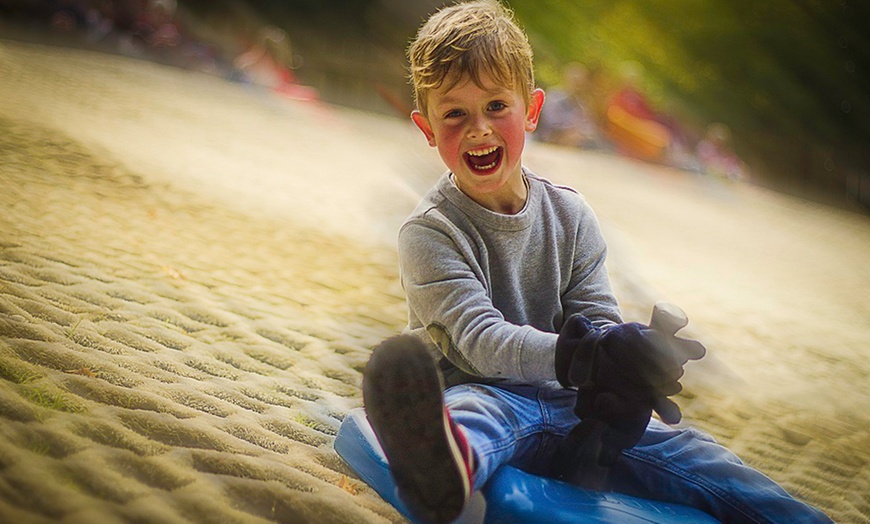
column 506, row 284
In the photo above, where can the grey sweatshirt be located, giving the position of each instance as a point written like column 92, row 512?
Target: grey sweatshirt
column 492, row 290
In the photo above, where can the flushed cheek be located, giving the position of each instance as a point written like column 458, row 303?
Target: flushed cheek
column 514, row 138
column 449, row 149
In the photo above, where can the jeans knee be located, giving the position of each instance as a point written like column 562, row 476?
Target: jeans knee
column 701, row 435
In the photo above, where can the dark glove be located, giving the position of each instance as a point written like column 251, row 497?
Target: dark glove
column 626, row 368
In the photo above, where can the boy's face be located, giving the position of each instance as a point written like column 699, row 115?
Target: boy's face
column 480, row 133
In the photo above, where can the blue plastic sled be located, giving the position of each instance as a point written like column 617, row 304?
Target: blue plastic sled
column 511, row 495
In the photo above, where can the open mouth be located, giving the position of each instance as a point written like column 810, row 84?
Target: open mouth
column 485, row 159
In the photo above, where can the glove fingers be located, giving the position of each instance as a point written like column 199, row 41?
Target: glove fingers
column 614, row 407
column 669, row 357
column 677, row 351
column 639, row 354
column 647, row 373
column 668, row 410
column 637, row 362
column 689, row 349
column 670, row 389
column 658, row 377
column 668, row 318
column 664, row 354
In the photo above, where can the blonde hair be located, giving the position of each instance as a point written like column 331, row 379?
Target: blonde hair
column 469, row 39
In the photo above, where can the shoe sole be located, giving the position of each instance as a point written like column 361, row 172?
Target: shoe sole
column 404, row 404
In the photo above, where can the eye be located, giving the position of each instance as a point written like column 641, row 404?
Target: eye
column 498, row 105
column 453, row 113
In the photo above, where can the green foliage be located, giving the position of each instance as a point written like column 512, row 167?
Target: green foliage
column 789, row 70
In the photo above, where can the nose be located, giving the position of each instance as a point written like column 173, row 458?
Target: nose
column 479, row 127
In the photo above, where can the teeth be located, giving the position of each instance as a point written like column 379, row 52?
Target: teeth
column 484, row 168
column 482, row 152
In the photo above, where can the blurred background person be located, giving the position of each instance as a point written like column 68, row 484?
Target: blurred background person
column 269, row 62
column 632, row 123
column 640, row 130
column 716, row 155
column 566, row 118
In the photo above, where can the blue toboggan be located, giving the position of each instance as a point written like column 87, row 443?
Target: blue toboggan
column 511, row 495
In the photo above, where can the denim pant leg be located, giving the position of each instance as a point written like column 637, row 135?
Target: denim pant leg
column 516, row 425
column 688, row 466
column 523, row 425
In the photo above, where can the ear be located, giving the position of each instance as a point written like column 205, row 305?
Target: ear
column 536, row 103
column 423, row 124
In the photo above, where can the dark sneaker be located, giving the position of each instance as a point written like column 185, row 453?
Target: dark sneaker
column 429, row 456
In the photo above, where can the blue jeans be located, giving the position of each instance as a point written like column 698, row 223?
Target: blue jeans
column 523, row 425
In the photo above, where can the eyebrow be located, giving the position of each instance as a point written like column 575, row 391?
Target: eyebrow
column 448, row 100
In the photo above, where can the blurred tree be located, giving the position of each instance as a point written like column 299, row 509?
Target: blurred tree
column 788, row 76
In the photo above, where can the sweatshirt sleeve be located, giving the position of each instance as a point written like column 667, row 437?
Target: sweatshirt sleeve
column 447, row 297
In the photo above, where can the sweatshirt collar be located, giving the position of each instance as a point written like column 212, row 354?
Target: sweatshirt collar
column 482, row 215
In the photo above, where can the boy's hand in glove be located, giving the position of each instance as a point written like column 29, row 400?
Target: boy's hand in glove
column 622, row 373
column 626, row 368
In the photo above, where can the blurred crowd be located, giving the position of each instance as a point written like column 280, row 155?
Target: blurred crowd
column 141, row 28
column 592, row 110
column 158, row 30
